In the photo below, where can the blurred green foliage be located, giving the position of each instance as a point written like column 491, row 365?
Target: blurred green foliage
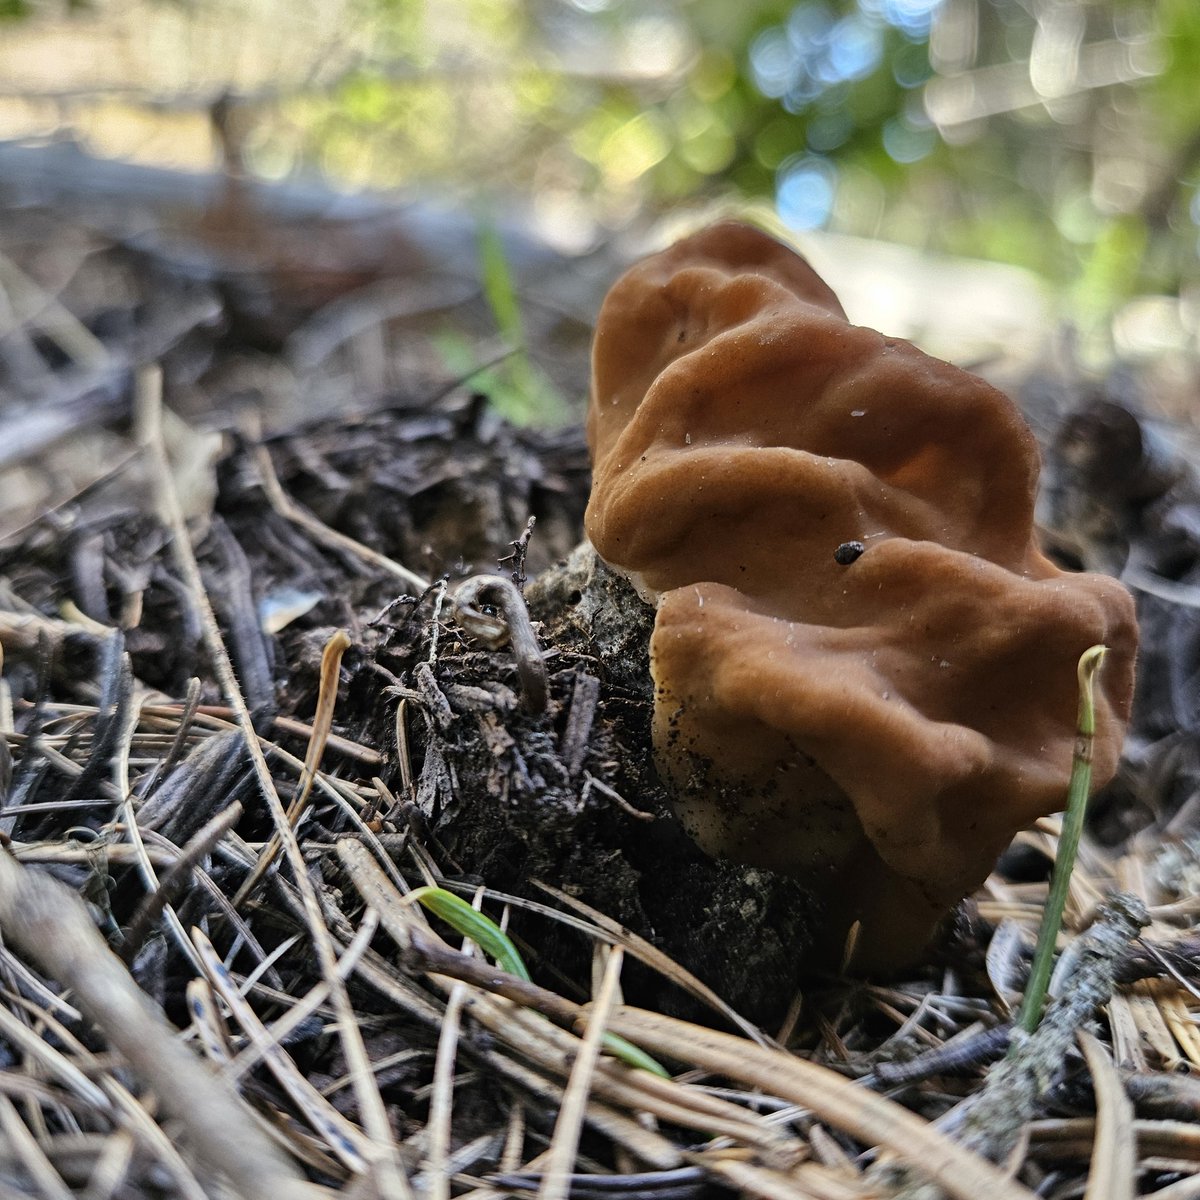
column 513, row 382
column 1059, row 135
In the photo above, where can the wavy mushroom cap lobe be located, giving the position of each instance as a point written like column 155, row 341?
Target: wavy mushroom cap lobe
column 886, row 725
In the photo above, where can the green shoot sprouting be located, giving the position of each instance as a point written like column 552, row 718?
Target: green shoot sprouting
column 490, row 938
column 1068, row 842
column 483, row 931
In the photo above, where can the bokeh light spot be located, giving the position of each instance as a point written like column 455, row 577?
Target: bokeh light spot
column 829, row 130
column 634, row 148
column 905, row 142
column 855, row 50
column 804, row 191
column 914, row 18
column 771, row 63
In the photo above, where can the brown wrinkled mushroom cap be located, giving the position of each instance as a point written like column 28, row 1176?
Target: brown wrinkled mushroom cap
column 882, row 726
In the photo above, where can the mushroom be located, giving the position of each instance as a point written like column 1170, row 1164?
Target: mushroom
column 864, row 666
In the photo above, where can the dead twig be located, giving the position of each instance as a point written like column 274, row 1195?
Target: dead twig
column 567, row 1128
column 50, row 923
column 872, row 1119
column 990, row 1122
column 287, row 508
column 390, row 1178
column 1113, row 1164
column 177, row 878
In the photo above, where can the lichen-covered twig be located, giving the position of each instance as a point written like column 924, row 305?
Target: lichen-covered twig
column 991, row 1122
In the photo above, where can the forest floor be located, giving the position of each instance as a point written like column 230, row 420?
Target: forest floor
column 247, row 708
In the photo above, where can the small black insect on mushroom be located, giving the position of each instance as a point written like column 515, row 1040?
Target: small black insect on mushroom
column 848, row 552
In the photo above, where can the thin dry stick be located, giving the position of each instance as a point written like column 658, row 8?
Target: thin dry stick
column 111, row 1167
column 345, row 1139
column 334, row 741
column 176, row 878
column 437, row 1128
column 565, row 1142
column 1111, row 1174
column 36, row 993
column 336, row 791
column 392, row 1181
column 1180, row 1022
column 331, row 664
column 52, row 317
column 283, row 504
column 279, row 1030
column 421, row 949
column 147, row 1130
column 648, row 1146
column 441, row 1100
column 425, row 950
column 207, row 1021
column 77, row 852
column 186, row 711
column 49, row 1058
column 1074, row 1138
column 872, row 1119
column 687, row 1105
column 514, row 1138
column 551, row 1048
column 805, row 1183
column 654, row 958
column 53, row 927
column 125, row 791
column 24, row 1148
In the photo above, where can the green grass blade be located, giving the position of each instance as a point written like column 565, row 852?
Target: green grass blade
column 633, row 1056
column 490, row 938
column 517, row 388
column 499, row 287
column 483, row 931
column 1068, row 842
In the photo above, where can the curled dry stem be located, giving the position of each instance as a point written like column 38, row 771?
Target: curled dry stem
column 510, row 622
column 331, row 661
